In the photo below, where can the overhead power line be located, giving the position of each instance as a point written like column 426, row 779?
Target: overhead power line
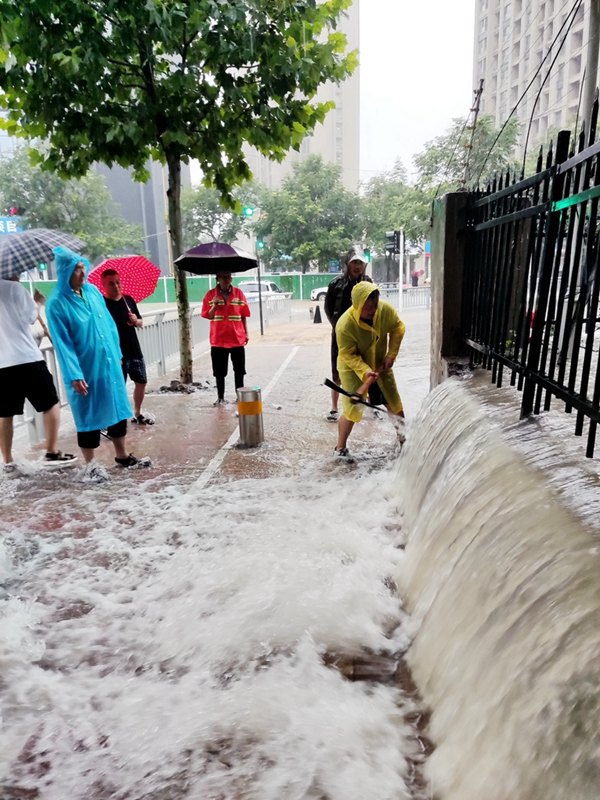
column 569, row 20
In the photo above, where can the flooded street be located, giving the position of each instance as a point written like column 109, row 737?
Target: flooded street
column 182, row 632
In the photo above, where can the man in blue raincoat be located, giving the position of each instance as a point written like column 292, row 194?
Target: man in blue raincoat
column 86, row 341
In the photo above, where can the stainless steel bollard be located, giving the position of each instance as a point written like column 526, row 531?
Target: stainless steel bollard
column 249, row 403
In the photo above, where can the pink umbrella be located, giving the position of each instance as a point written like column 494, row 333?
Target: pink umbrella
column 138, row 275
column 417, row 273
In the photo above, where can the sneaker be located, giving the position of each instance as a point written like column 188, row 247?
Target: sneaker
column 10, row 469
column 343, row 455
column 132, row 461
column 400, row 427
column 220, row 401
column 58, row 460
column 333, row 416
column 94, row 473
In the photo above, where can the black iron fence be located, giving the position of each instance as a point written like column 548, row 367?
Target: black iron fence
column 531, row 284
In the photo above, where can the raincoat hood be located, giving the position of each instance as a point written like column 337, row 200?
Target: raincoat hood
column 360, row 293
column 66, row 261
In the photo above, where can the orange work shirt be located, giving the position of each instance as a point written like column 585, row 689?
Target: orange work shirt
column 226, row 327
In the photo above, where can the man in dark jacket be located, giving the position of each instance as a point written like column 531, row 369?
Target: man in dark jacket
column 338, row 300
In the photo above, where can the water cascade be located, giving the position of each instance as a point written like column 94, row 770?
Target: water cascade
column 503, row 586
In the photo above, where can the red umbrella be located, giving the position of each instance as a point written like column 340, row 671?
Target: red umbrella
column 138, row 275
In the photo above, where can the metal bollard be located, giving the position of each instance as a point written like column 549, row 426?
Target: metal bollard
column 249, row 405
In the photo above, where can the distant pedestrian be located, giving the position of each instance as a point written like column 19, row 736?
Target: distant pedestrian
column 227, row 309
column 369, row 335
column 337, row 301
column 86, row 341
column 124, row 311
column 24, row 374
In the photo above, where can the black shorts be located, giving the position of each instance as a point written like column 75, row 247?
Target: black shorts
column 335, row 375
column 136, row 369
column 376, row 395
column 220, row 360
column 22, row 382
column 90, row 440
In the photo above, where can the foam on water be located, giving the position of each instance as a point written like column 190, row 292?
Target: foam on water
column 502, row 583
column 163, row 644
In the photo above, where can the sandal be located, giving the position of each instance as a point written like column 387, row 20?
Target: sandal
column 60, row 458
column 142, row 420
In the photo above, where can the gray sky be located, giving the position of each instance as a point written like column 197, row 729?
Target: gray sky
column 416, row 74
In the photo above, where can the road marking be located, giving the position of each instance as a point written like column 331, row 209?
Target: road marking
column 215, row 463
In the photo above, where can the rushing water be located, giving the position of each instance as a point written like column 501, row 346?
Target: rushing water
column 162, row 644
column 503, row 586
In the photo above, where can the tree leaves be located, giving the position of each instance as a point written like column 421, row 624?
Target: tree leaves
column 82, row 207
column 312, row 219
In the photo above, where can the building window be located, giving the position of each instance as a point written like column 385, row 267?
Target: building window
column 483, row 25
column 483, row 6
column 482, row 45
column 481, row 68
column 575, row 65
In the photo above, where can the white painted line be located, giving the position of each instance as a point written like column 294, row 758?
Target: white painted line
column 216, row 461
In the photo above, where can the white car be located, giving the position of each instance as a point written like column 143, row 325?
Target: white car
column 319, row 294
column 267, row 289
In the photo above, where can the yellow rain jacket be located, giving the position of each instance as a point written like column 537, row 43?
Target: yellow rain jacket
column 363, row 347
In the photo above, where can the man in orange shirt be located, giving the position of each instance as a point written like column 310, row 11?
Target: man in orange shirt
column 227, row 309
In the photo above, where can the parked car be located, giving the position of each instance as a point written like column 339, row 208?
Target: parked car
column 267, row 288
column 319, row 294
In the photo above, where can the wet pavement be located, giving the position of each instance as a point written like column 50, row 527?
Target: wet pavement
column 289, row 363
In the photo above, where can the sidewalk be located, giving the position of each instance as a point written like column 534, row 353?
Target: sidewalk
column 289, row 363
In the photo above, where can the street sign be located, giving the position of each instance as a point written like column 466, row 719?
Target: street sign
column 334, row 266
column 10, row 225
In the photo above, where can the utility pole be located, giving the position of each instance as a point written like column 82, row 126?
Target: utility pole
column 591, row 67
column 400, row 270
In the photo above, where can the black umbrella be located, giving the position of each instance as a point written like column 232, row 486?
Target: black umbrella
column 24, row 250
column 206, row 259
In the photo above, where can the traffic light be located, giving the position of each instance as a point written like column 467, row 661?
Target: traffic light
column 260, row 244
column 392, row 242
column 16, row 211
column 42, row 266
column 248, row 211
column 368, row 255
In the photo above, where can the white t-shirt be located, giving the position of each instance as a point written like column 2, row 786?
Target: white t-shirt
column 18, row 312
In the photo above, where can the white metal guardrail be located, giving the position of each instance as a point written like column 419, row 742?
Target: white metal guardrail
column 159, row 340
column 412, row 297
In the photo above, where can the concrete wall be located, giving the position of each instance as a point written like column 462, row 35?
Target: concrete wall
column 447, row 260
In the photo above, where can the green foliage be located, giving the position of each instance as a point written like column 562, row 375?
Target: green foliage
column 122, row 81
column 204, row 218
column 82, row 207
column 391, row 203
column 441, row 165
column 312, row 219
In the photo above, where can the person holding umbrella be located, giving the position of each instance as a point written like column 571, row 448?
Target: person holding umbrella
column 24, row 374
column 124, row 311
column 227, row 309
column 86, row 341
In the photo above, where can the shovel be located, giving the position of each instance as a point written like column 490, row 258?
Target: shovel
column 356, row 396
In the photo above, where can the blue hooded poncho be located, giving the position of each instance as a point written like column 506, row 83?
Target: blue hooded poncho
column 86, row 342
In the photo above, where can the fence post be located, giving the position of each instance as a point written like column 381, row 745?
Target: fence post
column 162, row 363
column 447, row 265
column 548, row 255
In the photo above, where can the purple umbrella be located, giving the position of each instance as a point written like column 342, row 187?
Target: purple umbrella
column 206, row 259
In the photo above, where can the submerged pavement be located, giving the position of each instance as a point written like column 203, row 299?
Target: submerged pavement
column 289, row 363
column 170, row 633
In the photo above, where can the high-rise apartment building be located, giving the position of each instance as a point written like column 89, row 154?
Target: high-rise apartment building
column 511, row 39
column 338, row 138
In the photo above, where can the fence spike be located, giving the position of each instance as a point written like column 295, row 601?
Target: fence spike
column 593, row 120
column 540, row 161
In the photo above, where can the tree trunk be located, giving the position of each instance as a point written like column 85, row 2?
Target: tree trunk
column 181, row 289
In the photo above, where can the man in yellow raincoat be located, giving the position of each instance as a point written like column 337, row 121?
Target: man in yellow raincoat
column 369, row 334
